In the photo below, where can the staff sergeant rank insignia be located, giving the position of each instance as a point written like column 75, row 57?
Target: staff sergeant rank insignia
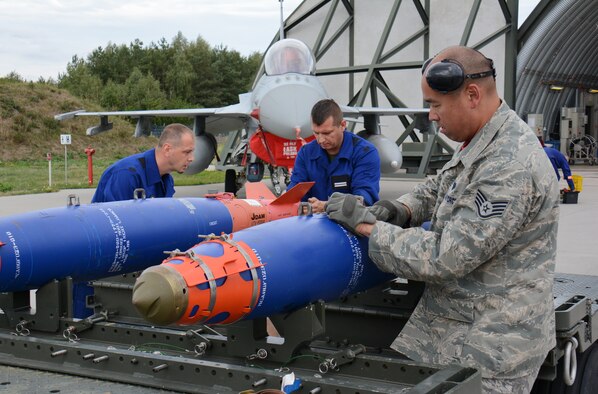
column 489, row 209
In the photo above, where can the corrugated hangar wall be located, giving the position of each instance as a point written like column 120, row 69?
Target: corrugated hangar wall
column 557, row 64
column 370, row 52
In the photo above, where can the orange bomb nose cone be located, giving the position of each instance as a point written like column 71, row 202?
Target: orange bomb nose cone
column 160, row 295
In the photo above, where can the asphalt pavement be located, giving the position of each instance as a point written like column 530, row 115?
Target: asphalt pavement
column 578, row 223
column 577, row 247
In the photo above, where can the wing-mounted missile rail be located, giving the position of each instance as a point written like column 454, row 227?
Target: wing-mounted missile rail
column 104, row 125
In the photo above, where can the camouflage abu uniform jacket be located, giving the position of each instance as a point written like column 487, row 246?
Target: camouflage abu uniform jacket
column 489, row 258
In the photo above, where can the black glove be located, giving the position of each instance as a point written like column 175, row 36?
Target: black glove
column 349, row 211
column 392, row 212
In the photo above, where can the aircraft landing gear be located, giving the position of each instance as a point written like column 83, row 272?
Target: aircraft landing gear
column 276, row 173
column 275, row 181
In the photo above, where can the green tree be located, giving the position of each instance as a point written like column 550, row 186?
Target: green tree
column 252, row 65
column 114, row 62
column 179, row 76
column 158, row 58
column 161, row 75
column 228, row 75
column 202, row 91
column 80, row 81
column 14, row 77
column 142, row 92
column 113, row 96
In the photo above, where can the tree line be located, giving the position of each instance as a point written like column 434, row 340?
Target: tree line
column 179, row 74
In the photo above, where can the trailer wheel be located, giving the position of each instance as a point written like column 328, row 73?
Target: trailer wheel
column 587, row 372
column 556, row 386
column 230, row 181
column 586, row 380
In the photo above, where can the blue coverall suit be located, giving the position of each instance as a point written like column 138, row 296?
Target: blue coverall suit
column 118, row 183
column 120, row 180
column 355, row 169
column 558, row 160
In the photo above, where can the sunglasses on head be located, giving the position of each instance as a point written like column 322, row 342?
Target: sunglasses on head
column 448, row 75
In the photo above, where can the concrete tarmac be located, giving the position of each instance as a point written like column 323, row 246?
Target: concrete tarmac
column 577, row 247
column 578, row 223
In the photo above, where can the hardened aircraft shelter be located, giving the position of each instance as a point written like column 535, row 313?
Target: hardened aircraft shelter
column 370, row 53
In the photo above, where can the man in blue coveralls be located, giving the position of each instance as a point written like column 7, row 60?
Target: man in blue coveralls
column 149, row 170
column 559, row 160
column 337, row 160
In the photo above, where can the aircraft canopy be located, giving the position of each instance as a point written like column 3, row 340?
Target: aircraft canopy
column 289, row 56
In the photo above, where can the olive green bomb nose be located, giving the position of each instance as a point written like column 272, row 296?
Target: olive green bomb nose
column 160, row 295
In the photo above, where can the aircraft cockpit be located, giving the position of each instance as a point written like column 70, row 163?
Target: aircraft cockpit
column 289, row 56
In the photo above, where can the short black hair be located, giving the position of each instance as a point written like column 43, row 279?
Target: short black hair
column 324, row 109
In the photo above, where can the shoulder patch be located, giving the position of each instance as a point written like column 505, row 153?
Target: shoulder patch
column 489, row 209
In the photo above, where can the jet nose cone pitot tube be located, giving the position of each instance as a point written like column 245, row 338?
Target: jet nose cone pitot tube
column 273, row 268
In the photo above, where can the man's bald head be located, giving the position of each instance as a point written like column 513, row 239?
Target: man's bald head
column 472, row 61
column 459, row 86
column 175, row 149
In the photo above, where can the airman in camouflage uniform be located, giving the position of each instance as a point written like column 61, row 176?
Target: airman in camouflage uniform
column 489, row 258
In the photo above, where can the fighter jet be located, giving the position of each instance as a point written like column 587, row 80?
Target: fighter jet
column 269, row 124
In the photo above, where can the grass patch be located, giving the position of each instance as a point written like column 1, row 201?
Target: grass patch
column 32, row 176
column 203, row 178
column 28, row 131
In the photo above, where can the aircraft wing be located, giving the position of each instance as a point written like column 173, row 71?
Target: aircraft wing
column 380, row 111
column 229, row 118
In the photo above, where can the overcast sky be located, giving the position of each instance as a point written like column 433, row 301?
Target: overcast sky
column 39, row 37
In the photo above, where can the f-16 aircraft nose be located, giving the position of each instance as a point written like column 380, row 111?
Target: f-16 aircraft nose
column 160, row 295
column 295, row 99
